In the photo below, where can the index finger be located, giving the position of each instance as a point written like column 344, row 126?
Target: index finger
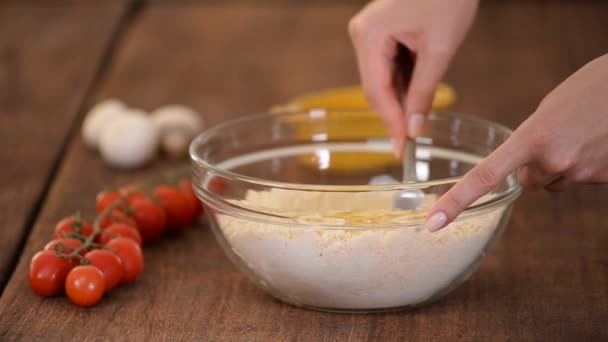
column 375, row 62
column 484, row 177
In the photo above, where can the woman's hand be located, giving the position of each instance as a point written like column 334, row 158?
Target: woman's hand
column 565, row 141
column 432, row 30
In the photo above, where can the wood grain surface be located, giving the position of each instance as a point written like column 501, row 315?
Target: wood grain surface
column 49, row 57
column 547, row 279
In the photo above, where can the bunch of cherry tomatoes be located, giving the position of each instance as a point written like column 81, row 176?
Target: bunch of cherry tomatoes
column 87, row 259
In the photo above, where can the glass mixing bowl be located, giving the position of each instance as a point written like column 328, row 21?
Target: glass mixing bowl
column 289, row 199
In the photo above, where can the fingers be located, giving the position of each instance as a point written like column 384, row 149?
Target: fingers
column 375, row 58
column 535, row 178
column 376, row 66
column 376, row 51
column 429, row 69
column 376, row 71
column 480, row 180
column 561, row 184
column 532, row 177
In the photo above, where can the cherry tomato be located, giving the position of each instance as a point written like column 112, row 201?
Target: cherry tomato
column 117, row 216
column 68, row 246
column 150, row 218
column 48, row 273
column 132, row 192
column 176, row 206
column 109, row 264
column 120, row 229
column 218, row 185
column 185, row 185
column 85, row 285
column 72, row 224
column 131, row 256
column 104, row 199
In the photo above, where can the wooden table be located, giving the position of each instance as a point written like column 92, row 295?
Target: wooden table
column 547, row 279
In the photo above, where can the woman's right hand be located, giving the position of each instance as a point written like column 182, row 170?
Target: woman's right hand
column 563, row 143
column 432, row 30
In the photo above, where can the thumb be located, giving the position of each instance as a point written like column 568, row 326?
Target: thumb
column 484, row 177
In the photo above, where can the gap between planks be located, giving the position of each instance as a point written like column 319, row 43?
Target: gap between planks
column 131, row 13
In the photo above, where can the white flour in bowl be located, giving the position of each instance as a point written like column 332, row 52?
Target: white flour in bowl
column 353, row 269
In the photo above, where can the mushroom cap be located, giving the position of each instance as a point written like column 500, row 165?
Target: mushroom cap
column 177, row 125
column 177, row 117
column 98, row 118
column 129, row 141
column 175, row 145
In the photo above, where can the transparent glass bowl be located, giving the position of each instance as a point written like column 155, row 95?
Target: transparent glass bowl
column 289, row 200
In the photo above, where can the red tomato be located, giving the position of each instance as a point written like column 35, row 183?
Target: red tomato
column 116, row 216
column 104, row 199
column 150, row 218
column 218, row 185
column 131, row 256
column 109, row 264
column 176, row 206
column 133, row 192
column 120, row 229
column 185, row 185
column 48, row 273
column 85, row 285
column 72, row 224
column 67, row 246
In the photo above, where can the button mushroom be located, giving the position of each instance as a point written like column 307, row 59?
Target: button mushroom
column 98, row 118
column 177, row 125
column 129, row 141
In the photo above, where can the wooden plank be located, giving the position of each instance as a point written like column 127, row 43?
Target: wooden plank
column 554, row 251
column 587, row 38
column 49, row 56
column 546, row 278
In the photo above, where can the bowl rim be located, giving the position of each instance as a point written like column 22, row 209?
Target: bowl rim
column 211, row 131
column 512, row 191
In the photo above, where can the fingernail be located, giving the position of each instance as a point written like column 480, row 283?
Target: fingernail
column 436, row 221
column 415, row 125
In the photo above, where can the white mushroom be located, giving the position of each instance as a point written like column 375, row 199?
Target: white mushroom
column 177, row 125
column 129, row 141
column 99, row 117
